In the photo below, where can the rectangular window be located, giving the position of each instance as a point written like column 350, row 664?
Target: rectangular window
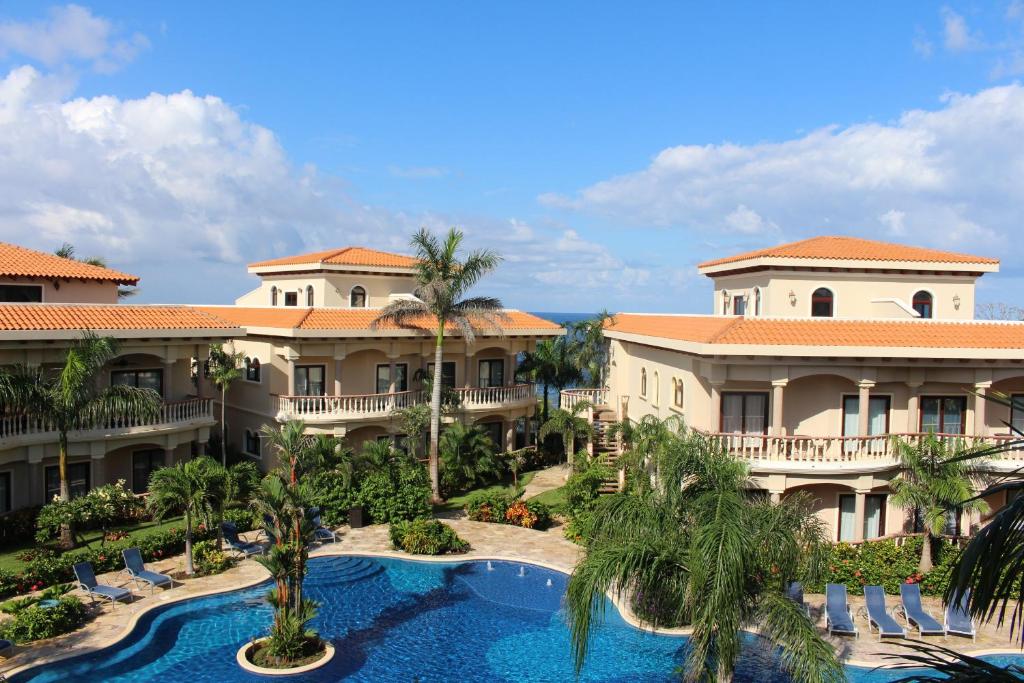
column 291, row 298
column 143, row 379
column 21, row 294
column 78, row 480
column 744, row 412
column 492, row 373
column 943, row 414
column 874, row 515
column 5, row 492
column 447, row 373
column 878, row 420
column 847, row 515
column 144, row 463
column 739, row 305
column 1017, row 412
column 252, row 443
column 384, row 378
column 309, row 380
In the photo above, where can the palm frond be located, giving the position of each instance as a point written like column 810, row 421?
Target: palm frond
column 945, row 665
column 803, row 653
column 401, row 313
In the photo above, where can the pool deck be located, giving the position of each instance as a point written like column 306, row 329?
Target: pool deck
column 488, row 541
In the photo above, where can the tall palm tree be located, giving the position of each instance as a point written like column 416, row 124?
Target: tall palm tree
column 191, row 488
column 694, row 549
column 70, row 398
column 591, row 347
column 553, row 363
column 934, row 479
column 570, row 426
column 443, row 280
column 224, row 369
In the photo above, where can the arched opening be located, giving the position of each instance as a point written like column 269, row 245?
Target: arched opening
column 923, row 304
column 822, row 303
column 357, row 297
column 655, row 397
column 677, row 393
column 273, row 296
column 757, row 301
column 643, row 381
column 309, row 295
column 252, row 369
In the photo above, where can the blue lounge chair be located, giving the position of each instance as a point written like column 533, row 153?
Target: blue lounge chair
column 322, row 533
column 85, row 577
column 237, row 544
column 5, row 647
column 913, row 611
column 838, row 617
column 137, row 570
column 878, row 615
column 958, row 619
column 795, row 592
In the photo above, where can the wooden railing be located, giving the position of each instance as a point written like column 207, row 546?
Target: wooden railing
column 479, row 397
column 570, row 397
column 171, row 412
column 839, row 449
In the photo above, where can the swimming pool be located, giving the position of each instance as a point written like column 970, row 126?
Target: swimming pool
column 401, row 620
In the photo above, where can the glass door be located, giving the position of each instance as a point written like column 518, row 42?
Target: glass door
column 309, row 380
column 874, row 515
column 878, row 422
column 745, row 413
column 847, row 516
column 943, row 414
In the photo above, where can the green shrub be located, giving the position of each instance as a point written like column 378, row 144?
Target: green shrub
column 331, row 492
column 100, row 508
column 396, row 494
column 208, row 560
column 495, row 507
column 243, row 518
column 18, row 527
column 884, row 563
column 35, row 622
column 582, row 491
column 426, row 537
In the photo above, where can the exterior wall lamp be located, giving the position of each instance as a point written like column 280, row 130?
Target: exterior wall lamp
column 792, row 298
column 956, row 301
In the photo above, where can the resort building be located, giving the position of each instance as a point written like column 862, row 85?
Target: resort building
column 310, row 349
column 815, row 355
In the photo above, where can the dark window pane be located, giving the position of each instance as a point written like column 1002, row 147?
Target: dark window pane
column 291, row 298
column 492, row 373
column 20, row 294
column 357, row 299
column 78, row 480
column 5, row 491
column 821, row 303
column 144, row 463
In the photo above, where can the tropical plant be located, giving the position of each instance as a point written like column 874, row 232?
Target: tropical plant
column 443, row 280
column 569, row 425
column 591, row 347
column 552, row 364
column 101, row 507
column 414, row 422
column 467, row 458
column 71, row 398
column 67, row 250
column 694, row 549
column 224, row 369
column 934, row 479
column 426, row 537
column 189, row 488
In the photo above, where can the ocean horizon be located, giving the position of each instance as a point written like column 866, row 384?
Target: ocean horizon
column 560, row 318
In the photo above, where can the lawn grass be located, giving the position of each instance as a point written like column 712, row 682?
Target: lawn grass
column 554, row 499
column 9, row 557
column 459, row 502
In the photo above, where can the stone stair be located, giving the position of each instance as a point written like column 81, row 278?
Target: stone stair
column 606, row 447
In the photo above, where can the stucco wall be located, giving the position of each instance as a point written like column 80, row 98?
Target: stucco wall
column 71, row 291
column 328, row 289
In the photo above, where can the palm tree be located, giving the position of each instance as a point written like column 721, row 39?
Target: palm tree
column 467, row 457
column 694, row 549
column 192, row 488
column 591, row 347
column 569, row 425
column 552, row 363
column 224, row 369
column 442, row 282
column 67, row 250
column 934, row 478
column 70, row 398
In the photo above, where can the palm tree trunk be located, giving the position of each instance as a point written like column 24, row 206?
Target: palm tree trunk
column 545, row 401
column 67, row 539
column 435, row 416
column 189, row 568
column 926, row 554
column 223, row 426
column 570, row 447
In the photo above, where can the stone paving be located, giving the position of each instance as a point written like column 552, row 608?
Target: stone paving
column 488, row 541
column 547, row 479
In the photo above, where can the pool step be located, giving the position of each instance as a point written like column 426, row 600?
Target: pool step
column 348, row 570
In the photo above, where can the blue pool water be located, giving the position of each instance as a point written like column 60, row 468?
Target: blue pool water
column 404, row 621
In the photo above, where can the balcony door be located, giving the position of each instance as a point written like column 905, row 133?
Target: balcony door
column 309, row 380
column 943, row 414
column 745, row 412
column 143, row 379
column 384, row 378
column 492, row 373
column 878, row 421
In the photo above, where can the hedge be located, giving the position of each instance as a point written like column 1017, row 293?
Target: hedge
column 505, row 508
column 884, row 563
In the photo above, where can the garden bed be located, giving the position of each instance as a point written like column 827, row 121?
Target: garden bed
column 254, row 657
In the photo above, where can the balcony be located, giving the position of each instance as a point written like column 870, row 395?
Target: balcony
column 571, row 397
column 21, row 430
column 380, row 406
column 842, row 452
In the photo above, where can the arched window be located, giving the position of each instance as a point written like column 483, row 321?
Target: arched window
column 643, row 381
column 656, row 396
column 252, row 369
column 822, row 303
column 923, row 304
column 357, row 298
column 757, row 301
column 677, row 393
column 273, row 296
column 309, row 295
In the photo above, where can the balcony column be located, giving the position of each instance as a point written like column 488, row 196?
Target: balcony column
column 467, row 372
column 510, row 435
column 168, row 379
column 858, row 515
column 863, row 407
column 978, row 402
column 513, row 358
column 99, row 464
column 289, row 368
column 716, row 407
column 35, row 478
column 778, row 389
column 168, row 457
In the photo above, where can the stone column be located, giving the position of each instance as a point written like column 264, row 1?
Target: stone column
column 392, row 375
column 510, row 435
column 168, row 457
column 863, row 407
column 35, row 482
column 290, row 372
column 978, row 403
column 337, row 376
column 858, row 515
column 716, row 407
column 778, row 388
column 510, row 378
column 169, row 366
column 99, row 470
column 467, row 379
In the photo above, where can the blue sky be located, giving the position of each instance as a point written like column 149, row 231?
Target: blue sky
column 604, row 149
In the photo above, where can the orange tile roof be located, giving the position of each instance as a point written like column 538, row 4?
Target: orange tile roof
column 347, row 319
column 18, row 261
column 347, row 256
column 852, row 249
column 823, row 332
column 26, row 317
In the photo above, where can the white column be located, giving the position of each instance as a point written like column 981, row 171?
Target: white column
column 392, row 376
column 337, row 376
column 510, row 378
column 863, row 407
column 858, row 515
column 99, row 470
column 290, row 371
column 777, row 395
column 913, row 408
column 510, row 435
column 978, row 402
column 467, row 372
column 168, row 378
column 716, row 407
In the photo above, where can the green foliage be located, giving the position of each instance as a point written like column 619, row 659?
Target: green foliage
column 209, row 560
column 467, row 458
column 35, row 622
column 487, row 506
column 195, row 488
column 570, row 425
column 244, row 519
column 101, row 508
column 18, row 527
column 397, row 493
column 332, row 493
column 884, row 563
column 426, row 537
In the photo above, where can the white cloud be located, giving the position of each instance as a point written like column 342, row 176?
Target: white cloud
column 71, row 34
column 949, row 177
column 957, row 37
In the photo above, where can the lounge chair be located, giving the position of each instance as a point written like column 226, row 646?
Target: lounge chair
column 795, row 592
column 322, row 533
column 913, row 611
column 878, row 615
column 958, row 618
column 136, row 569
column 237, row 544
column 85, row 577
column 838, row 617
column 5, row 647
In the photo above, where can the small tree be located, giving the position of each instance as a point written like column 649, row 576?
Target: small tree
column 467, row 457
column 934, row 479
column 552, row 363
column 569, row 425
column 224, row 369
column 189, row 488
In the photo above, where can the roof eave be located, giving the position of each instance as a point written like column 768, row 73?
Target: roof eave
column 284, row 269
column 715, row 269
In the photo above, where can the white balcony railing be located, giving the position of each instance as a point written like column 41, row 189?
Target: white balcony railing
column 29, row 428
column 758, row 448
column 487, row 397
column 570, row 397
